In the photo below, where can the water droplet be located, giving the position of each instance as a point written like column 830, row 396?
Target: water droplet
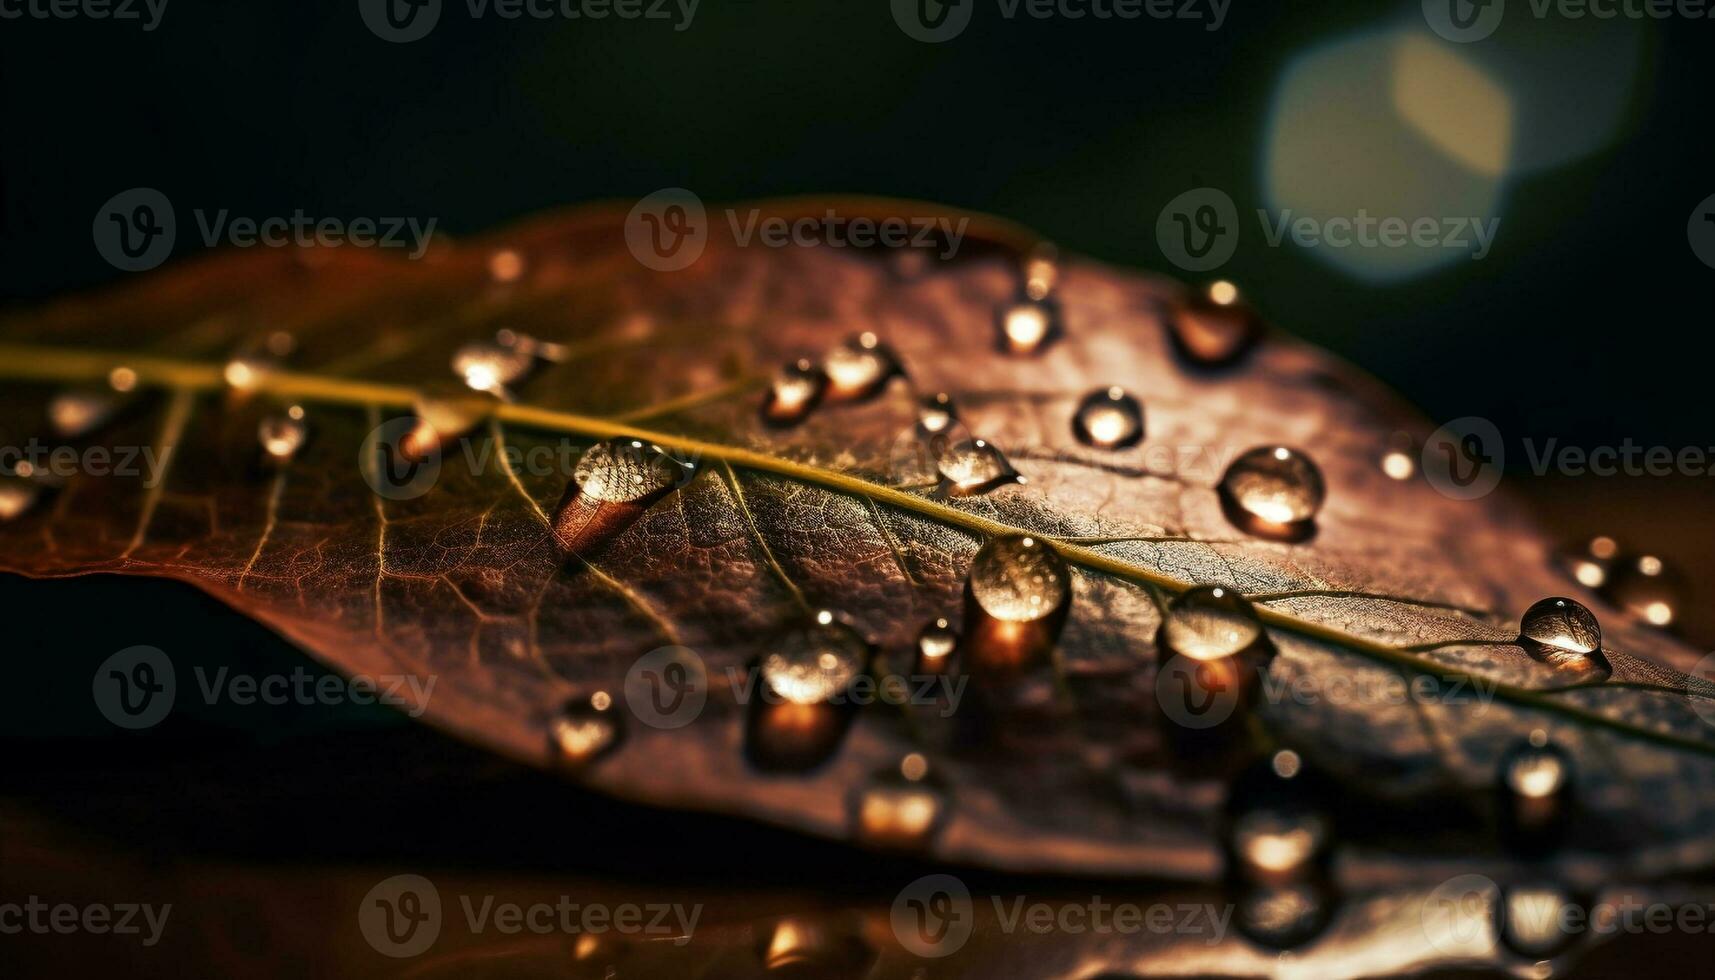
column 78, row 412
column 612, row 485
column 1109, row 418
column 1273, row 492
column 122, row 379
column 535, row 347
column 1041, row 271
column 245, row 373
column 1279, row 827
column 1537, row 921
column 1647, row 588
column 803, row 708
column 1016, row 601
column 1591, row 562
column 1214, row 328
column 969, row 466
column 936, row 645
column 444, row 413
column 936, row 415
column 900, row 808
column 1027, row 326
column 1210, row 623
column 1285, row 916
column 284, row 433
column 1565, row 635
column 587, row 729
column 506, row 265
column 492, row 368
column 1535, row 787
column 795, row 393
column 17, row 496
column 821, row 948
column 860, row 368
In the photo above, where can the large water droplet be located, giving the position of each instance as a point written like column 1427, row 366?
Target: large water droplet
column 936, row 646
column 587, row 729
column 17, row 496
column 1535, row 789
column 860, row 368
column 1273, row 492
column 900, row 808
column 1109, row 418
column 1648, row 588
column 804, row 708
column 815, row 948
column 1565, row 635
column 1210, row 622
column 612, row 485
column 969, row 466
column 282, row 434
column 444, row 413
column 795, row 393
column 1214, row 328
column 491, row 368
column 77, row 412
column 1027, row 326
column 935, row 415
column 1016, row 601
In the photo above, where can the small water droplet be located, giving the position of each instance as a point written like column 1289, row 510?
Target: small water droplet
column 1027, row 326
column 859, row 368
column 612, row 485
column 245, row 372
column 1210, row 622
column 969, row 466
column 1017, row 596
column 506, row 265
column 1536, row 791
column 900, row 808
column 1538, row 922
column 803, row 709
column 936, row 646
column 1273, row 492
column 1109, row 418
column 1648, row 588
column 1591, row 562
column 78, row 412
column 1214, row 328
column 284, row 433
column 17, row 496
column 1041, row 271
column 1564, row 634
column 1279, row 826
column 587, row 729
column 815, row 948
column 122, row 379
column 936, row 415
column 795, row 393
column 492, row 368
column 444, row 413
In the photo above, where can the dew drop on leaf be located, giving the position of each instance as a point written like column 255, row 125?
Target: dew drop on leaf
column 1647, row 588
column 900, row 808
column 936, row 645
column 969, row 466
column 1273, row 492
column 1016, row 601
column 444, row 413
column 935, row 415
column 1278, row 825
column 491, row 367
column 78, row 412
column 1535, row 787
column 814, row 947
column 282, row 434
column 802, row 709
column 1041, row 271
column 1109, row 418
column 17, row 496
column 1215, row 327
column 506, row 265
column 1591, row 562
column 1210, row 622
column 1564, row 634
column 587, row 729
column 612, row 485
column 859, row 368
column 1027, row 326
column 1533, row 920
column 794, row 393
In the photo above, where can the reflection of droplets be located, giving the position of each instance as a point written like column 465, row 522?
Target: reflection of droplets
column 1027, row 326
column 803, row 710
column 1647, row 588
column 1279, row 838
column 1210, row 622
column 936, row 645
column 859, row 368
column 1273, row 492
column 282, row 434
column 936, row 414
column 969, row 466
column 794, row 393
column 1017, row 596
column 1564, row 634
column 1536, row 789
column 1213, row 328
column 815, row 663
column 1109, row 418
column 612, row 485
column 900, row 808
column 586, row 730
